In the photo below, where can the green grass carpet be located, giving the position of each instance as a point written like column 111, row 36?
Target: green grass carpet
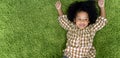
column 29, row 29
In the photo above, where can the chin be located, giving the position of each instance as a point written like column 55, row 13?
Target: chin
column 82, row 27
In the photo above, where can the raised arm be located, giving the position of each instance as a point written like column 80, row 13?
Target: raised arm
column 58, row 6
column 101, row 20
column 63, row 20
column 102, row 8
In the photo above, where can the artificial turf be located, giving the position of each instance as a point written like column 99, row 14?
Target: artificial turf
column 30, row 29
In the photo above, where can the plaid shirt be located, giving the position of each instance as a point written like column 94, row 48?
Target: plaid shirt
column 80, row 42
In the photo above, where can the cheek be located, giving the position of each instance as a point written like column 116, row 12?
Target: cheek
column 78, row 22
column 86, row 23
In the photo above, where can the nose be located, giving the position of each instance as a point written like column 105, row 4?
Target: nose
column 82, row 21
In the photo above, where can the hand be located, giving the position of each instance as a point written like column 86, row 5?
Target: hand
column 58, row 5
column 101, row 3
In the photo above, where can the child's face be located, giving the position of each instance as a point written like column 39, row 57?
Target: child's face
column 82, row 20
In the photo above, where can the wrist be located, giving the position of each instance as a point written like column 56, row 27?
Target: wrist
column 59, row 10
column 102, row 8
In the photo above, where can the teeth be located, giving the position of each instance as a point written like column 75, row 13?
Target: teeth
column 82, row 25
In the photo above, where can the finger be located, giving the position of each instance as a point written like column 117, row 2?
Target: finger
column 59, row 0
column 100, row 0
column 57, row 3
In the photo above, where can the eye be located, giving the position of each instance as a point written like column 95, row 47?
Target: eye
column 86, row 19
column 78, row 19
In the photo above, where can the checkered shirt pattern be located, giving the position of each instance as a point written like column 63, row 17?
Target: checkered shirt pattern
column 80, row 42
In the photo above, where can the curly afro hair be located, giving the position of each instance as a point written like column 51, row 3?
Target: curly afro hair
column 86, row 6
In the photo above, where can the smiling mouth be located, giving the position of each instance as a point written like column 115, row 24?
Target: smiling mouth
column 82, row 25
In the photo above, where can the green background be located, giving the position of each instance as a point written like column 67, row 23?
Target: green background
column 30, row 29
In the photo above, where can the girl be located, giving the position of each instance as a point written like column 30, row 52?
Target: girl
column 81, row 23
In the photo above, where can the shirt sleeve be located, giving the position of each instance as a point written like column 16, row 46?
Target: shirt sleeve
column 64, row 22
column 99, row 24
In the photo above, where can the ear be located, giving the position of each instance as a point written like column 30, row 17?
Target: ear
column 88, row 21
column 74, row 20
